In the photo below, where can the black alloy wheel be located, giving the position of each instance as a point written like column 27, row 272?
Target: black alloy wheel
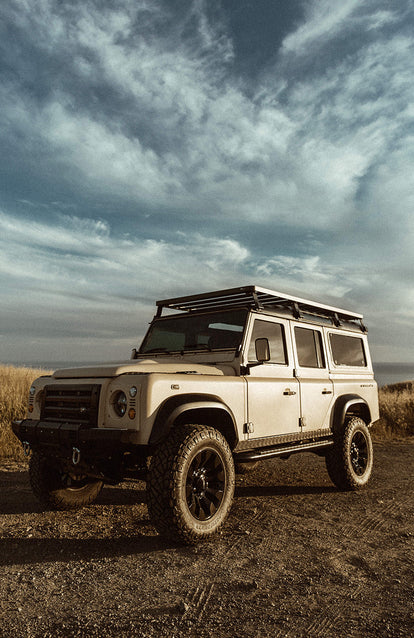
column 205, row 484
column 359, row 453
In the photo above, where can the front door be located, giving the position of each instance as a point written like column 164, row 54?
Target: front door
column 273, row 400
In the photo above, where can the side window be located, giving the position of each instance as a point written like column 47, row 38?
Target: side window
column 275, row 333
column 347, row 350
column 309, row 348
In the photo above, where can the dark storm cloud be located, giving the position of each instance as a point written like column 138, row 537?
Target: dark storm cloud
column 244, row 142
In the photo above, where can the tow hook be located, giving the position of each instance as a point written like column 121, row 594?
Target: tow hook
column 76, row 454
column 26, row 448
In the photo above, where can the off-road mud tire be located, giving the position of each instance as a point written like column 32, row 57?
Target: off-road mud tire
column 349, row 460
column 192, row 466
column 55, row 489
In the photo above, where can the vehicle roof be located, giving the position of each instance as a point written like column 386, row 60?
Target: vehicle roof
column 254, row 297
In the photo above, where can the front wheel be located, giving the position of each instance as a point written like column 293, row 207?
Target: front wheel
column 60, row 490
column 190, row 483
column 349, row 460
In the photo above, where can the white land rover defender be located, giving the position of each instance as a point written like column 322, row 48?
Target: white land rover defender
column 221, row 380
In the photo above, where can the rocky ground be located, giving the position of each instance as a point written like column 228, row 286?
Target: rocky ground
column 296, row 558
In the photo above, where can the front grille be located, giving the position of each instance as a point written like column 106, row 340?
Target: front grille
column 71, row 404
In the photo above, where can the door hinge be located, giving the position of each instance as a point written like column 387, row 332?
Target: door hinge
column 302, row 422
column 248, row 428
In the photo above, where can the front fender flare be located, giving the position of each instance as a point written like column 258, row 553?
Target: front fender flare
column 174, row 407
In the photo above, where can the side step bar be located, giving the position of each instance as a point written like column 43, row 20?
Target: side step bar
column 286, row 450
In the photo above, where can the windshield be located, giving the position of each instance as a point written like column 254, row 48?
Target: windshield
column 213, row 331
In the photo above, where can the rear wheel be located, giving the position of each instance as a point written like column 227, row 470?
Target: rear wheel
column 190, row 483
column 58, row 489
column 349, row 460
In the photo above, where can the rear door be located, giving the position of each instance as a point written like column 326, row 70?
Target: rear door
column 315, row 386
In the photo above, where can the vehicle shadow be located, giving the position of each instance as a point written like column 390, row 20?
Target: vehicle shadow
column 121, row 496
column 25, row 551
column 242, row 491
column 22, row 500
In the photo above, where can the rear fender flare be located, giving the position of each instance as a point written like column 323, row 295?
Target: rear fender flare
column 345, row 404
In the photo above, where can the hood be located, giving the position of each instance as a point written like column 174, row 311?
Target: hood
column 143, row 366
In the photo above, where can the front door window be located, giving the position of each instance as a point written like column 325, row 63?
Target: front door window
column 275, row 334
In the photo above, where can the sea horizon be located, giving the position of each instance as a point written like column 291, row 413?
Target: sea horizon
column 386, row 373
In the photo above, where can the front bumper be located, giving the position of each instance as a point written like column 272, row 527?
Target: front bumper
column 68, row 435
column 95, row 452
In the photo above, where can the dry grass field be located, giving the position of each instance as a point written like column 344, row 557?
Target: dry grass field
column 397, row 411
column 396, row 407
column 14, row 391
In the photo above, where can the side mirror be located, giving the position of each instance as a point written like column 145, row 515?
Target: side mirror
column 262, row 349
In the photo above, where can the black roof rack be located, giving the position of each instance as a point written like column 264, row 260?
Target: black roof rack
column 254, row 297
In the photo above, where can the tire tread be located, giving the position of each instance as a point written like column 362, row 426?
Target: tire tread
column 46, row 486
column 337, row 458
column 164, row 469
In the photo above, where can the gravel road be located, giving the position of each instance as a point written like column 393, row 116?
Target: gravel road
column 297, row 558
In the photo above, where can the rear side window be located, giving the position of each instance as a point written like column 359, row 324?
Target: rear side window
column 274, row 332
column 347, row 350
column 309, row 348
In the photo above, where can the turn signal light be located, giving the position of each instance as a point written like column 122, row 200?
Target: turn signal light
column 30, row 408
column 131, row 413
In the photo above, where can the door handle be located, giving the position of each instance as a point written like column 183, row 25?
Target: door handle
column 326, row 391
column 289, row 393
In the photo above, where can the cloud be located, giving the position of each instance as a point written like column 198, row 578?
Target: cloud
column 84, row 274
column 139, row 165
column 156, row 118
column 323, row 20
column 98, row 286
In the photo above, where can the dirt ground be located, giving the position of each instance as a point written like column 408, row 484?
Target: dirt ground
column 296, row 558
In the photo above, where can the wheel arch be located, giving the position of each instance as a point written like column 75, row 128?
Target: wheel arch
column 350, row 405
column 195, row 408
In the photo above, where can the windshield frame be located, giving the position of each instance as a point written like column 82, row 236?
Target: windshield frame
column 200, row 347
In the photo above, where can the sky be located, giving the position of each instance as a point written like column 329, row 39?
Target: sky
column 157, row 148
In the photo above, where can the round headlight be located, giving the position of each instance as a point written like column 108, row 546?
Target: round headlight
column 133, row 391
column 120, row 403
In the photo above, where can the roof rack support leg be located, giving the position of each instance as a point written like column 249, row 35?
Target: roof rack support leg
column 258, row 305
